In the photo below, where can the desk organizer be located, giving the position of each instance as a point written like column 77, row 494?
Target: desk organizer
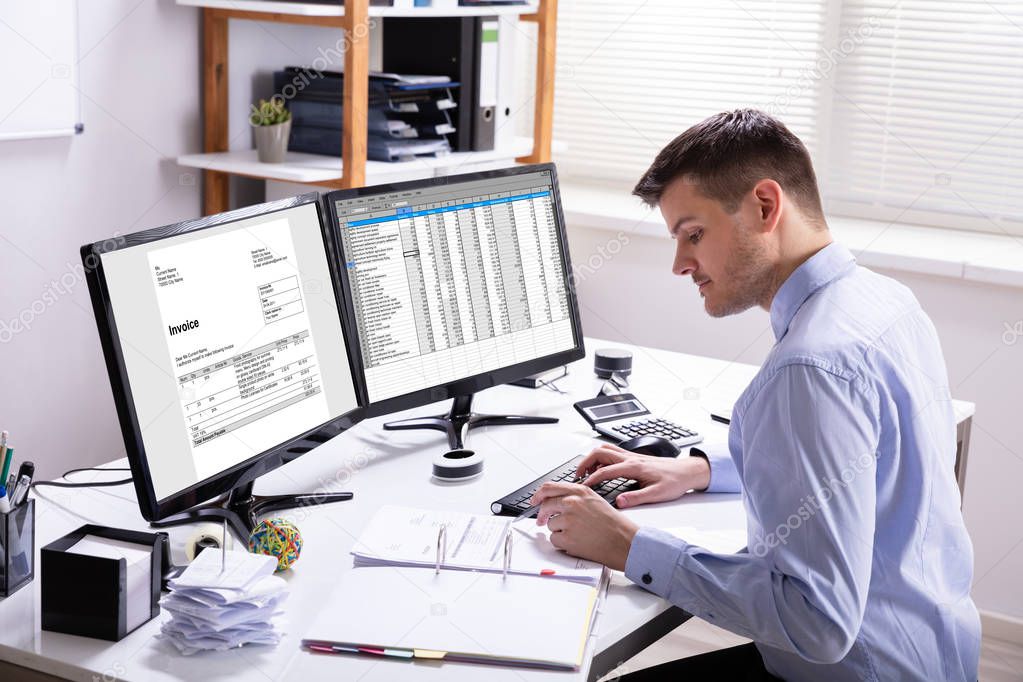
column 17, row 547
column 99, row 596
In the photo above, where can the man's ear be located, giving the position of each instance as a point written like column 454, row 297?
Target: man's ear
column 768, row 196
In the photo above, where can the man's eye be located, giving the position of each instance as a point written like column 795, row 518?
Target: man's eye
column 695, row 236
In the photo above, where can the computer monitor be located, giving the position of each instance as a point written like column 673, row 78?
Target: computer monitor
column 456, row 284
column 226, row 352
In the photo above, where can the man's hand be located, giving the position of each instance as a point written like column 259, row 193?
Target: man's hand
column 583, row 524
column 660, row 478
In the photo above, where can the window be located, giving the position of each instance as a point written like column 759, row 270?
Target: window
column 912, row 109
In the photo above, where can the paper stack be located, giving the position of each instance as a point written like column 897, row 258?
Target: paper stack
column 215, row 605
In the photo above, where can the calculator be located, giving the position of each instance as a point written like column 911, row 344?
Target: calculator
column 622, row 416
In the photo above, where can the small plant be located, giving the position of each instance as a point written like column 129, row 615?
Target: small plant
column 269, row 113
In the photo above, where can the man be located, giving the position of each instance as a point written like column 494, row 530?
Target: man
column 858, row 565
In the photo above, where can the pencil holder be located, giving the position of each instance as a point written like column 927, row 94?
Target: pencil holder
column 17, row 547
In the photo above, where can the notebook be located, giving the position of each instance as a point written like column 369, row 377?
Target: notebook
column 457, row 616
column 406, row 536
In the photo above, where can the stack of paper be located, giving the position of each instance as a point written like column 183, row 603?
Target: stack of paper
column 215, row 606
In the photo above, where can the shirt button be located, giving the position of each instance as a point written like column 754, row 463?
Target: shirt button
column 646, row 579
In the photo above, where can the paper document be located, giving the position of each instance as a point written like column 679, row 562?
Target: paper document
column 404, row 536
column 220, row 609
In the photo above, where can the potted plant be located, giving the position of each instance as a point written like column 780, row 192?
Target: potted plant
column 271, row 122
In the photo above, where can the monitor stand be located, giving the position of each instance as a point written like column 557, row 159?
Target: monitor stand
column 461, row 418
column 242, row 509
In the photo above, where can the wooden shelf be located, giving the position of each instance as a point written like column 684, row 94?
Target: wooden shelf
column 311, row 9
column 352, row 169
column 316, row 169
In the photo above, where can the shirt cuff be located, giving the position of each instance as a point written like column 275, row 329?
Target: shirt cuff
column 723, row 476
column 652, row 560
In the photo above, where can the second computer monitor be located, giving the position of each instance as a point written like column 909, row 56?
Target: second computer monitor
column 456, row 284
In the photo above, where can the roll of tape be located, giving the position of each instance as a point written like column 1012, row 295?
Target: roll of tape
column 457, row 465
column 206, row 535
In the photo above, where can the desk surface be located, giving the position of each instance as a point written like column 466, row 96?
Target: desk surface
column 380, row 468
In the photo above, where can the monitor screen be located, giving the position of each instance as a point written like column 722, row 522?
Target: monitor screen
column 455, row 279
column 231, row 340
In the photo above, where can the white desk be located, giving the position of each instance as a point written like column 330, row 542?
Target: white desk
column 394, row 467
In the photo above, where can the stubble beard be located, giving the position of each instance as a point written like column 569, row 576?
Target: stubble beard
column 751, row 277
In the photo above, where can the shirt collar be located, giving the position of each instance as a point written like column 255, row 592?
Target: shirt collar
column 818, row 270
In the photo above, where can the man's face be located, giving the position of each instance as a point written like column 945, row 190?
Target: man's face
column 723, row 253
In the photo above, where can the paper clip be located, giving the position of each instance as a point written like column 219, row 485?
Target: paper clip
column 507, row 552
column 442, row 546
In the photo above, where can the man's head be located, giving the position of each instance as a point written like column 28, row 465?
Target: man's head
column 740, row 198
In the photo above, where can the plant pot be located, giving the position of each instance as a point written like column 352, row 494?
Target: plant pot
column 272, row 141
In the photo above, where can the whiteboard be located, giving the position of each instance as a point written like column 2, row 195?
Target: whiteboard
column 38, row 68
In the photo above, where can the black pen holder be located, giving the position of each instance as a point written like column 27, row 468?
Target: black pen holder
column 17, row 547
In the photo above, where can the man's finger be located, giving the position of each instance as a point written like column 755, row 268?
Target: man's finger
column 599, row 456
column 633, row 498
column 621, row 470
column 549, row 508
column 555, row 489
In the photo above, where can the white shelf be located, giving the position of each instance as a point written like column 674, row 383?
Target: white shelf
column 312, row 168
column 338, row 10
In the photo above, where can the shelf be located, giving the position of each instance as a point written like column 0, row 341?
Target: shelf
column 337, row 10
column 313, row 168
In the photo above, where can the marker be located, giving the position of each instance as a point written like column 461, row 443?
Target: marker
column 20, row 491
column 5, row 505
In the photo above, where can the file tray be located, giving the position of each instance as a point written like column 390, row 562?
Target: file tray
column 17, row 547
column 100, row 582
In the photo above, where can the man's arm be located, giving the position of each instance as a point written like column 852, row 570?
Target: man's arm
column 809, row 441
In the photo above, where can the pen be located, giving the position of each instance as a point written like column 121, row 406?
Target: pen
column 7, row 465
column 3, row 454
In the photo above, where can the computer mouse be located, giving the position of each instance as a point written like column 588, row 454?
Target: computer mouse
column 651, row 445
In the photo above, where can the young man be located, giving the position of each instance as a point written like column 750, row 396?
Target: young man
column 858, row 565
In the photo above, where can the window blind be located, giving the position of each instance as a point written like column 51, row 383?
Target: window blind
column 926, row 119
column 633, row 75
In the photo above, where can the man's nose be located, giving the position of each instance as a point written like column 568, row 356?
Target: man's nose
column 684, row 265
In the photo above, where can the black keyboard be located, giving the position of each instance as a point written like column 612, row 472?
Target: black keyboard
column 518, row 501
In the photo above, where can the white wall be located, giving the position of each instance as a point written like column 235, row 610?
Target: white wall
column 139, row 73
column 141, row 106
column 627, row 293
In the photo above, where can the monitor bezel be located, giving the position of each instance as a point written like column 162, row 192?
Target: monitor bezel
column 152, row 508
column 483, row 380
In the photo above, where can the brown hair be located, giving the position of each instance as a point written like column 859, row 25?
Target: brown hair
column 728, row 153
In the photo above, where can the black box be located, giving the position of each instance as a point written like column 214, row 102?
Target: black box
column 17, row 547
column 87, row 595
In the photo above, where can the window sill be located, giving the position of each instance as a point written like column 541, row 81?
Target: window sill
column 971, row 256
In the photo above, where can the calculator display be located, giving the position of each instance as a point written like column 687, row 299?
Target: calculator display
column 611, row 409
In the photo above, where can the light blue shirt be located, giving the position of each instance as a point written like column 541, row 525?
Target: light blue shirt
column 858, row 564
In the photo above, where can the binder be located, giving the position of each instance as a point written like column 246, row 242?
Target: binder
column 485, row 77
column 457, row 616
column 410, row 537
